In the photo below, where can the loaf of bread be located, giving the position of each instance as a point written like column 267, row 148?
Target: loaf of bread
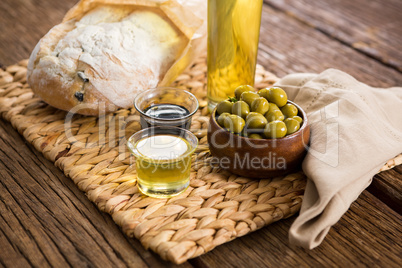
column 100, row 60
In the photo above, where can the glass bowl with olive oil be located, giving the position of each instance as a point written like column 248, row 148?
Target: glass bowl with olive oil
column 163, row 160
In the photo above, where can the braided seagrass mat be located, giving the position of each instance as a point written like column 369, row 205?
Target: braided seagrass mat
column 216, row 208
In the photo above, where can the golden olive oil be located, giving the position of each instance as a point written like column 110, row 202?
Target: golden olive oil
column 233, row 33
column 163, row 165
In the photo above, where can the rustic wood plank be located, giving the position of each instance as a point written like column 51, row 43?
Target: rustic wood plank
column 387, row 186
column 367, row 235
column 14, row 255
column 46, row 221
column 373, row 27
column 100, row 241
column 311, row 51
column 288, row 45
column 23, row 23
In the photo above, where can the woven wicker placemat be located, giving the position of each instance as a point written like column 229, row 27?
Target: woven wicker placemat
column 216, row 208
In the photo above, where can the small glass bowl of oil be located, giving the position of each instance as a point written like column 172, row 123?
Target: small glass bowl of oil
column 166, row 106
column 163, row 159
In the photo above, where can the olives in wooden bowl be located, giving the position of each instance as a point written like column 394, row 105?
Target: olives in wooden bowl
column 259, row 135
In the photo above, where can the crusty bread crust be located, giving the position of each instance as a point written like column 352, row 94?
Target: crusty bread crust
column 102, row 61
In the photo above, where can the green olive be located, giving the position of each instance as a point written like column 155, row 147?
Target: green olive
column 241, row 109
column 278, row 96
column 224, row 107
column 249, row 97
column 263, row 92
column 234, row 123
column 298, row 118
column 240, row 89
column 221, row 119
column 273, row 107
column 289, row 110
column 292, row 125
column 255, row 136
column 260, row 105
column 255, row 121
column 274, row 115
column 275, row 129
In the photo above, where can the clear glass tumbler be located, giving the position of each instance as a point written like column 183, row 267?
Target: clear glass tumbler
column 233, row 34
column 163, row 160
column 166, row 106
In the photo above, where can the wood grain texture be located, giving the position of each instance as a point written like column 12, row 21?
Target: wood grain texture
column 288, row 46
column 387, row 186
column 46, row 221
column 368, row 235
column 24, row 22
column 372, row 27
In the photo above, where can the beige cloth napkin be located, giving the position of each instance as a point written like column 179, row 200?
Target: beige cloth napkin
column 355, row 129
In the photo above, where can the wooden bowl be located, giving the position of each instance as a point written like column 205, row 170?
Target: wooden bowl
column 258, row 158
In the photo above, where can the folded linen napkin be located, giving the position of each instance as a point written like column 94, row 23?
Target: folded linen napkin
column 355, row 129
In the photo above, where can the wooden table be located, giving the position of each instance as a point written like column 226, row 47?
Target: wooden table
column 46, row 221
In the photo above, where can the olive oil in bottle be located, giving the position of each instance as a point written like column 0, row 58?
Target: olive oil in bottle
column 233, row 33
